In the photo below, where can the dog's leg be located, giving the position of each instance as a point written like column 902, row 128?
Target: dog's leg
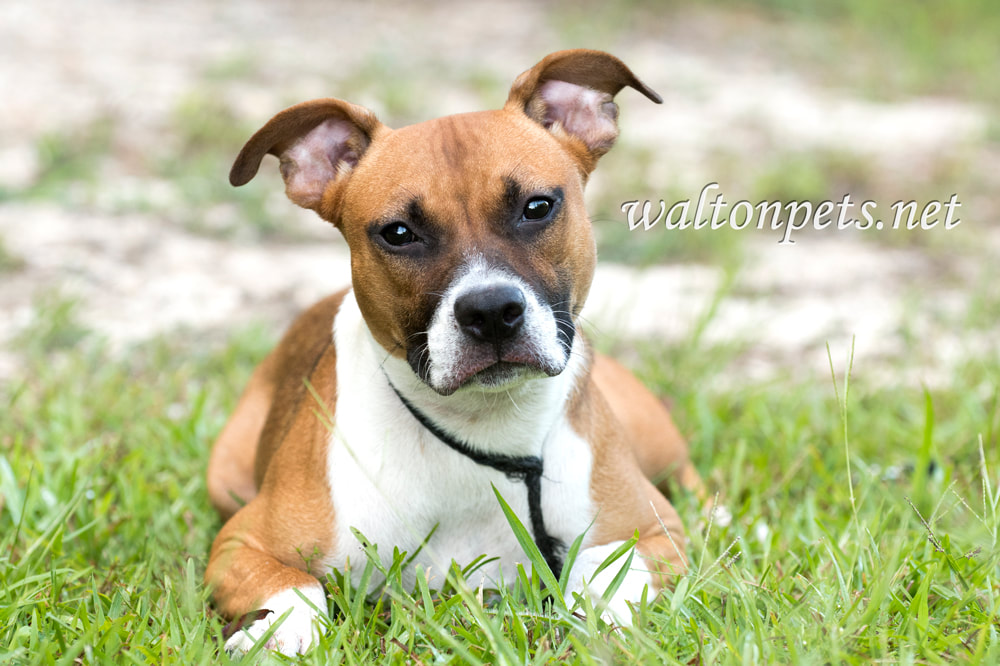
column 658, row 559
column 658, row 447
column 626, row 501
column 245, row 576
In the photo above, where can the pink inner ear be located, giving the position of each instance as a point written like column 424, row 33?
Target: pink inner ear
column 315, row 159
column 585, row 113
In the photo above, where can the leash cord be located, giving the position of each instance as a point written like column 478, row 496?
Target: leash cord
column 525, row 468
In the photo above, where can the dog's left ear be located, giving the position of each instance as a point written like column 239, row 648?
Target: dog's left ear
column 571, row 93
column 317, row 144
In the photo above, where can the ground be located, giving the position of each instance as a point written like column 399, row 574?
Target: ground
column 122, row 245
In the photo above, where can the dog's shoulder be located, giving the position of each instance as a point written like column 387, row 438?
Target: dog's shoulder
column 308, row 336
column 304, row 357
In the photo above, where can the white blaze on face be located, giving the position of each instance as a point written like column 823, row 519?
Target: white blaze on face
column 448, row 346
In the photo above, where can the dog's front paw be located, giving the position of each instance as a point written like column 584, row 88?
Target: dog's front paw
column 582, row 580
column 296, row 633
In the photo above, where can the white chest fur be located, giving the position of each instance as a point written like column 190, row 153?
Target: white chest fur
column 395, row 482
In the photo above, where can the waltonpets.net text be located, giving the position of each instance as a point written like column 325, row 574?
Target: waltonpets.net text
column 788, row 217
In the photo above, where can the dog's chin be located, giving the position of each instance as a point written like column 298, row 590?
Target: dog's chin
column 502, row 376
column 497, row 377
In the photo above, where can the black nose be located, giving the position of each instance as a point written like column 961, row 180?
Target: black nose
column 491, row 314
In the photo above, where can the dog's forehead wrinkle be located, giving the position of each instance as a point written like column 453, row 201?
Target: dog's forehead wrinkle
column 451, row 144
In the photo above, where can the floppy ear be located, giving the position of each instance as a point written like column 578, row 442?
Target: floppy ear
column 571, row 93
column 317, row 143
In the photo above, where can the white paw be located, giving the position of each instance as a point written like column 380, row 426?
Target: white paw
column 583, row 581
column 295, row 634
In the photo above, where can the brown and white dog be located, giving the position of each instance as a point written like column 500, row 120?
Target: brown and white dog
column 452, row 365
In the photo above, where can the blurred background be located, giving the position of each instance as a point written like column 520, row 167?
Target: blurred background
column 120, row 121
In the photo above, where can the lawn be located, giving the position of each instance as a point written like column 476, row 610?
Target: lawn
column 864, row 522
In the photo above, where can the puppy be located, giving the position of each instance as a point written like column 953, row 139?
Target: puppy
column 452, row 365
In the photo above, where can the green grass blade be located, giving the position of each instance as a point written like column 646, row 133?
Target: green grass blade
column 530, row 549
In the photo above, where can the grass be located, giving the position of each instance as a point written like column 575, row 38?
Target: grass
column 68, row 164
column 918, row 44
column 842, row 547
column 929, row 48
column 9, row 261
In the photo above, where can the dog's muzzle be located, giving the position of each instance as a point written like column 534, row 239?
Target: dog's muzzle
column 491, row 329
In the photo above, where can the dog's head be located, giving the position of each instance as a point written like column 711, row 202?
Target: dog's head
column 471, row 250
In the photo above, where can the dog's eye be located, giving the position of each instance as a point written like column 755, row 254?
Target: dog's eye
column 537, row 209
column 398, row 234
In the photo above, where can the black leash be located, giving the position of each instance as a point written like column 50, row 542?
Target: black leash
column 526, row 468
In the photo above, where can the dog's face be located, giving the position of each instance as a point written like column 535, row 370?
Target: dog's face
column 471, row 250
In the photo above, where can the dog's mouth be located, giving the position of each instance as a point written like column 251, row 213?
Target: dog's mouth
column 489, row 374
column 496, row 375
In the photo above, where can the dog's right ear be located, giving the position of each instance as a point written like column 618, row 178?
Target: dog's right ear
column 571, row 94
column 317, row 144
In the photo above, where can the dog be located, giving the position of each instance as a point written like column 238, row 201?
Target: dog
column 453, row 365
